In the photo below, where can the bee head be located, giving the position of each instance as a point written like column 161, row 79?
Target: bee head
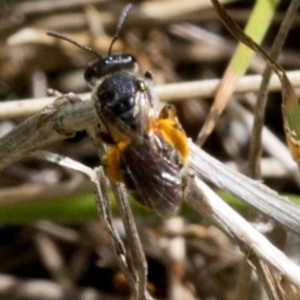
column 108, row 65
column 115, row 97
column 113, row 85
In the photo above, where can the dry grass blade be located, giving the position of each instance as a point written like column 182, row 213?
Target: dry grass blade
column 206, row 202
column 52, row 123
column 134, row 267
column 254, row 193
column 277, row 286
column 256, row 28
column 33, row 134
column 137, row 269
column 170, row 260
column 255, row 145
column 104, row 211
column 14, row 288
column 166, row 93
column 290, row 103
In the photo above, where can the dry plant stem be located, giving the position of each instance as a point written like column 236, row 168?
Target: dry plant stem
column 33, row 7
column 177, row 253
column 201, row 198
column 138, row 256
column 256, row 136
column 137, row 261
column 62, row 161
column 277, row 149
column 139, row 277
column 58, row 231
column 253, row 193
column 46, row 126
column 168, row 9
column 281, row 288
column 268, row 277
column 34, row 192
column 271, row 144
column 259, row 113
column 269, row 202
column 168, row 92
column 104, row 211
column 270, row 167
column 35, row 289
column 32, row 134
column 52, row 259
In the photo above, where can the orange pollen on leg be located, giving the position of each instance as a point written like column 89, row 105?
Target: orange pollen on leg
column 111, row 164
column 175, row 136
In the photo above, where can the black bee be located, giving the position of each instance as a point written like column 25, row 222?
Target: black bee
column 147, row 153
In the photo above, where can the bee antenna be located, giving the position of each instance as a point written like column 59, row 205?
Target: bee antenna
column 119, row 26
column 66, row 38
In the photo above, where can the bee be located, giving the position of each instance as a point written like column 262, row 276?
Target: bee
column 147, row 153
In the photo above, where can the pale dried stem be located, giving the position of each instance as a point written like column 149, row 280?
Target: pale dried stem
column 104, row 211
column 34, row 134
column 34, row 192
column 58, row 122
column 271, row 144
column 134, row 268
column 14, row 289
column 137, row 261
column 207, row 203
column 52, row 259
column 259, row 113
column 169, row 92
column 251, row 192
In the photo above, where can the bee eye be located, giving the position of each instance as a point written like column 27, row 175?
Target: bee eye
column 121, row 105
column 125, row 104
column 91, row 72
column 109, row 97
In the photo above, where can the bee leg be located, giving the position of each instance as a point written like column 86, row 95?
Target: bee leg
column 172, row 131
column 111, row 164
column 105, row 137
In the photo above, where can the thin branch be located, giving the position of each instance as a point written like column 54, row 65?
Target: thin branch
column 137, row 261
column 36, row 289
column 168, row 92
column 207, row 203
column 136, row 274
column 44, row 128
column 104, row 211
column 271, row 144
column 259, row 113
column 34, row 192
column 251, row 192
column 138, row 256
column 62, row 161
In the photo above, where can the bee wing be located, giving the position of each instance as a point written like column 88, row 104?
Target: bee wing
column 152, row 178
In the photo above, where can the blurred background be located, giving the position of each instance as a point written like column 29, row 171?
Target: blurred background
column 52, row 244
